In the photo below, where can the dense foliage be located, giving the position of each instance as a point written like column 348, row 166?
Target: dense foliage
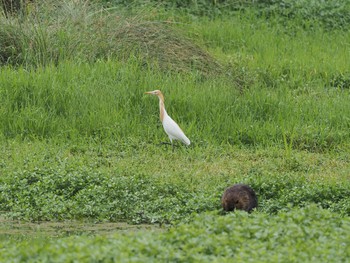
column 331, row 14
column 101, row 193
column 299, row 235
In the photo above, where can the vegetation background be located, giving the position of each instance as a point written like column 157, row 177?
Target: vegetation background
column 261, row 88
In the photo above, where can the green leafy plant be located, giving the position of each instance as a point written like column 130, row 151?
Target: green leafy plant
column 298, row 234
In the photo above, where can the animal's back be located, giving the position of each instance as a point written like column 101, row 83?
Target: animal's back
column 239, row 196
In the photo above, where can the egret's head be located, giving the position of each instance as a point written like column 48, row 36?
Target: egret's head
column 155, row 92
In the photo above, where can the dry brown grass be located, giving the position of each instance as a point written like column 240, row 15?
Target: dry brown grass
column 159, row 43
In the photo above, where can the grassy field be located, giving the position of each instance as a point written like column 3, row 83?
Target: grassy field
column 261, row 92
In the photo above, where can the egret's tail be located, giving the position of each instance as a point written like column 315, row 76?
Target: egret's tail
column 186, row 141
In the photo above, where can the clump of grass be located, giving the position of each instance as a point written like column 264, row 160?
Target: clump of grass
column 41, row 37
column 157, row 41
column 11, row 42
column 80, row 30
column 11, row 6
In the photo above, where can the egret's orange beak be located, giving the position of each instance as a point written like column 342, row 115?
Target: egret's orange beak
column 153, row 92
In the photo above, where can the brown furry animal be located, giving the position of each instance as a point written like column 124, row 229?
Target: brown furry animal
column 239, row 196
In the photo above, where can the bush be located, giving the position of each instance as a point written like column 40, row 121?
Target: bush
column 331, row 14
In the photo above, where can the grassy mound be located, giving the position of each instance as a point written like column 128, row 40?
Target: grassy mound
column 49, row 34
column 156, row 41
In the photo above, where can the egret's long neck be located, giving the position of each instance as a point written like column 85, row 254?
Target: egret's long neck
column 162, row 111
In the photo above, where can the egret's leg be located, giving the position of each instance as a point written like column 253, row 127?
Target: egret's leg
column 169, row 143
column 172, row 144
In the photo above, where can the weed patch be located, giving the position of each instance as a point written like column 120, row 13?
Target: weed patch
column 100, row 184
column 306, row 234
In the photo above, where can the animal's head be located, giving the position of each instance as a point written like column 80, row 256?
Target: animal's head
column 155, row 92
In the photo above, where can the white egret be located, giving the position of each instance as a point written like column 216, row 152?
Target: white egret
column 170, row 126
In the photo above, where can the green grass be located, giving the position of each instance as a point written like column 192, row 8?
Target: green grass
column 106, row 100
column 263, row 101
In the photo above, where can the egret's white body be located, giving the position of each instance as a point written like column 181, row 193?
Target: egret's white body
column 170, row 126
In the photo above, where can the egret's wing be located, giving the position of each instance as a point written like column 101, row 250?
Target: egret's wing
column 174, row 131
